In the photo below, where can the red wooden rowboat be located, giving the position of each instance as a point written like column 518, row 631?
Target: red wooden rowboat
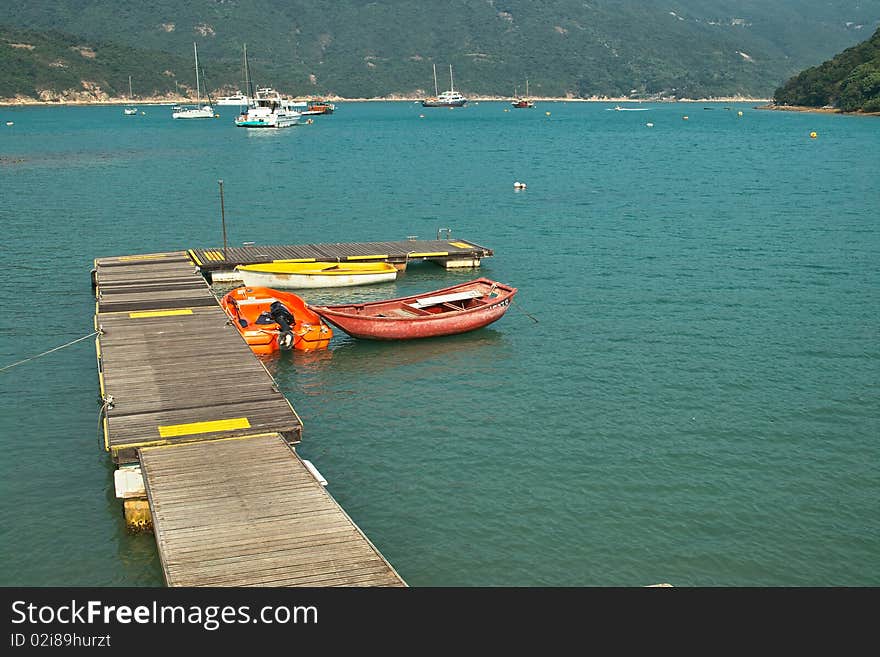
column 448, row 311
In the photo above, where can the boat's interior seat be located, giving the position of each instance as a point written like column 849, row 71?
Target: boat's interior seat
column 444, row 298
column 408, row 311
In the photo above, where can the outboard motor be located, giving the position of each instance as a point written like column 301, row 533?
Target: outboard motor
column 285, row 320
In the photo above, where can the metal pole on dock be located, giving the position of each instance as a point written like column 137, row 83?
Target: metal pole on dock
column 223, row 218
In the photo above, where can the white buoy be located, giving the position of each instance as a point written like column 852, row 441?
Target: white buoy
column 519, row 185
column 9, row 123
column 650, row 125
column 314, row 472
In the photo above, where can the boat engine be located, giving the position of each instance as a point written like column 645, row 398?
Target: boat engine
column 285, row 320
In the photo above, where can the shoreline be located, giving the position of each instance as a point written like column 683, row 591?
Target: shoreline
column 813, row 110
column 33, row 102
column 165, row 101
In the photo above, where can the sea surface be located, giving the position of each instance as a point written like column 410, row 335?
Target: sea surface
column 685, row 391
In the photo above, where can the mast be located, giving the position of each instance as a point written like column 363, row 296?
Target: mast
column 130, row 95
column 196, row 53
column 248, row 92
column 451, row 86
column 527, row 87
column 436, row 90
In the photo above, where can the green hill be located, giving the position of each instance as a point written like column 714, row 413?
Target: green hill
column 850, row 81
column 52, row 66
column 361, row 48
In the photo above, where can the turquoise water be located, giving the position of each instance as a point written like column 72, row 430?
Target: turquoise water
column 685, row 391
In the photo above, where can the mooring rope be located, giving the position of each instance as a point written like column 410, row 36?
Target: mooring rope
column 85, row 337
column 102, row 413
column 520, row 308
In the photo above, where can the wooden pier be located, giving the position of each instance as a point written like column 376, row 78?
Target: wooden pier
column 247, row 512
column 230, row 502
column 448, row 253
column 171, row 368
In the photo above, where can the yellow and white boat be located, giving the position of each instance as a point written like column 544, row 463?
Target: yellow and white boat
column 299, row 275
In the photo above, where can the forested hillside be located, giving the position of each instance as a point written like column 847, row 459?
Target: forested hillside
column 850, row 81
column 360, row 48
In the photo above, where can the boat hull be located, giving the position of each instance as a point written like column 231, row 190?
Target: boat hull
column 273, row 121
column 482, row 302
column 239, row 101
column 311, row 275
column 440, row 103
column 195, row 113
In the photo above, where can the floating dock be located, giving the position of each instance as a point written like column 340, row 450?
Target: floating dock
column 171, row 368
column 449, row 253
column 192, row 415
column 247, row 512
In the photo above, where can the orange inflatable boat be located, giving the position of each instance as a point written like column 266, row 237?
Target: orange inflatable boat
column 271, row 320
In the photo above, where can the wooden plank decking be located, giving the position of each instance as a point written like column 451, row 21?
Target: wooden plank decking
column 399, row 252
column 231, row 502
column 175, row 369
column 247, row 512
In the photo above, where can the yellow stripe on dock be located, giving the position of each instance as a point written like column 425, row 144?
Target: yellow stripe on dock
column 461, row 245
column 171, row 430
column 427, row 255
column 151, row 256
column 367, row 257
column 194, row 257
column 160, row 313
column 214, row 255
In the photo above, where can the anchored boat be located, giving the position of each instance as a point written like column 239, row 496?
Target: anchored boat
column 198, row 111
column 452, row 310
column 269, row 109
column 450, row 98
column 297, row 275
column 271, row 320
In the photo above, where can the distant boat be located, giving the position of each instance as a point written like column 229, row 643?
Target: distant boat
column 199, row 111
column 449, row 311
column 266, row 107
column 299, row 275
column 523, row 102
column 272, row 320
column 450, row 98
column 618, row 108
column 318, row 106
column 238, row 98
column 130, row 111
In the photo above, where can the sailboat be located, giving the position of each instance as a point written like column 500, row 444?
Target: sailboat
column 130, row 111
column 521, row 102
column 241, row 98
column 199, row 111
column 450, row 98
